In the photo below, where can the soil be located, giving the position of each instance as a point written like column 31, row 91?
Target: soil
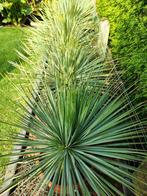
column 27, row 188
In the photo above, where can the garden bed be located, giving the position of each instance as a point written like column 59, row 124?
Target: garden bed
column 25, row 189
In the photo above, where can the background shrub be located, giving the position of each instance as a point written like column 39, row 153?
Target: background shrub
column 16, row 11
column 128, row 20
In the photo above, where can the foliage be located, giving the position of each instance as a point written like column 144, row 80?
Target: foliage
column 62, row 45
column 128, row 39
column 82, row 131
column 82, row 139
column 16, row 11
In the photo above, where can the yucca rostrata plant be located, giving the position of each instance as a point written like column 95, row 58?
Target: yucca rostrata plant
column 64, row 44
column 79, row 143
column 81, row 139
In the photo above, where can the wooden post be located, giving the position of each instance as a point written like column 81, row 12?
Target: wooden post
column 104, row 28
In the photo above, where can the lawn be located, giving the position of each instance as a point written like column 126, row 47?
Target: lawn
column 10, row 41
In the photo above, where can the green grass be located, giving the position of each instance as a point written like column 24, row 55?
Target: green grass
column 10, row 41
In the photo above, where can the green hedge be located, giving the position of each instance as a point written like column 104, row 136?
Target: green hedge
column 128, row 20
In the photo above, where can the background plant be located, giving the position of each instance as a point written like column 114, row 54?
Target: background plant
column 18, row 11
column 64, row 44
column 128, row 39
